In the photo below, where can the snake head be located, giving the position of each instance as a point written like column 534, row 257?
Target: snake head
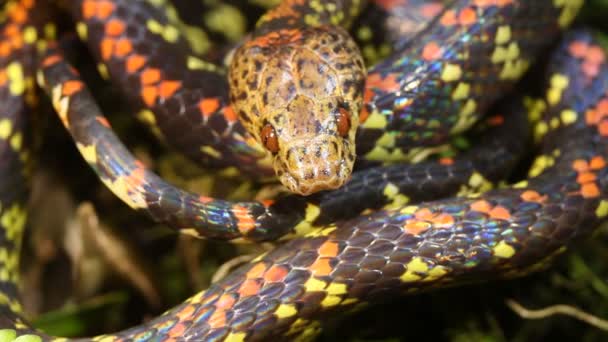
column 299, row 94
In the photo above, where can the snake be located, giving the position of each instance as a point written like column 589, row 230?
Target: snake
column 506, row 232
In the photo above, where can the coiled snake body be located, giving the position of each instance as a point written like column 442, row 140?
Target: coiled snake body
column 474, row 51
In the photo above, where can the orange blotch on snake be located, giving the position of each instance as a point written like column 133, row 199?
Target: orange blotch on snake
column 603, row 128
column 597, row 162
column 185, row 312
column 149, row 95
column 71, row 87
column 431, row 51
column 115, row 27
column 267, row 203
column 321, row 267
column 532, row 196
column 416, row 227
column 328, row 249
column 5, row 49
column 586, row 177
column 18, row 14
column 481, row 206
column 388, row 83
column 168, row 88
column 229, row 114
column 135, row 63
column 104, row 9
column 448, row 18
column 446, row 161
column 225, row 301
column 150, row 76
column 106, row 48
column 424, row 214
column 580, row 165
column 602, row 107
column 467, row 17
column 590, row 190
column 50, row 60
column 275, row 274
column 177, row 330
column 249, row 287
column 245, row 223
column 595, row 54
column 208, row 106
column 500, row 212
column 123, row 47
column 578, row 49
column 88, row 9
column 217, row 319
column 443, row 220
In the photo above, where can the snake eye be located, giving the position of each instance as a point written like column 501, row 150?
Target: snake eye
column 343, row 121
column 269, row 138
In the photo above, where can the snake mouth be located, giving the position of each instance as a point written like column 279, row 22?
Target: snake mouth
column 312, row 166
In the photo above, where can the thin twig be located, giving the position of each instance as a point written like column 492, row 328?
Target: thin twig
column 557, row 310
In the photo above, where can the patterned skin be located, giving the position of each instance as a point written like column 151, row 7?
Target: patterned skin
column 404, row 112
column 501, row 233
column 506, row 232
column 125, row 38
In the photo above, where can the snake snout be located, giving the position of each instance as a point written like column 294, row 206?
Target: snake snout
column 311, row 166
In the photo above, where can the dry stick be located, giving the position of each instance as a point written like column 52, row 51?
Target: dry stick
column 556, row 310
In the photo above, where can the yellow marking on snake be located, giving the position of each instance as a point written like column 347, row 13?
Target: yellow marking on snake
column 415, row 266
column 14, row 71
column 6, row 127
column 16, row 141
column 451, row 72
column 503, row 34
column 330, row 301
column 212, row 152
column 13, row 220
column 30, row 35
column 557, row 85
column 194, row 63
column 235, row 337
column 336, row 289
column 503, row 250
column 540, row 130
column 88, row 152
column 310, row 215
column 465, row 118
column 540, row 164
column 375, row 120
column 461, row 92
column 314, row 285
column 602, row 209
column 569, row 11
column 286, row 310
column 568, row 116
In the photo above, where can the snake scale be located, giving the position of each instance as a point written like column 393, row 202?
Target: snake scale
column 332, row 265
